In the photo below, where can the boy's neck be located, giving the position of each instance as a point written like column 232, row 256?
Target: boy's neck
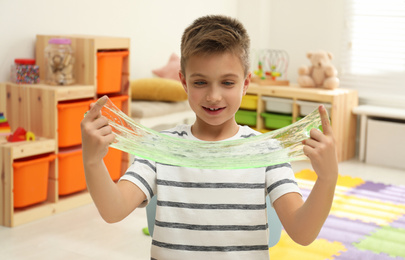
column 206, row 132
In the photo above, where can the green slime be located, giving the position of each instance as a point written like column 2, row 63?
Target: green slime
column 275, row 147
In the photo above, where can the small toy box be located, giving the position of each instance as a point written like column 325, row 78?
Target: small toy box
column 306, row 107
column 70, row 114
column 31, row 180
column 276, row 121
column 245, row 117
column 114, row 157
column 278, row 105
column 249, row 102
column 71, row 177
column 109, row 71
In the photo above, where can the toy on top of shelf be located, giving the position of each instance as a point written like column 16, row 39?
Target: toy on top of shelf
column 30, row 136
column 272, row 67
column 24, row 71
column 4, row 125
column 20, row 134
column 320, row 74
column 59, row 58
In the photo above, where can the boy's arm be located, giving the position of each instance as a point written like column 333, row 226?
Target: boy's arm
column 303, row 221
column 113, row 201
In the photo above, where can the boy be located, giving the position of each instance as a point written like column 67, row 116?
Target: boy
column 212, row 214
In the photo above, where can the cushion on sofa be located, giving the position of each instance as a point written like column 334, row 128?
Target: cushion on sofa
column 157, row 89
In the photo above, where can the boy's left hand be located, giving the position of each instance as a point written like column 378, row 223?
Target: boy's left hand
column 321, row 150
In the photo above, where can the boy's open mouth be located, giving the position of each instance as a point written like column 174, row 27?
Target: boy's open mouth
column 212, row 110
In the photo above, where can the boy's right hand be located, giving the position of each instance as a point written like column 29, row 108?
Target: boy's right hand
column 96, row 133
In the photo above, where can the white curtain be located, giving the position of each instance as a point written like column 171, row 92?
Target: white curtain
column 373, row 58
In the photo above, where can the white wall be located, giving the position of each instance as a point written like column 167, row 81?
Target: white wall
column 155, row 26
column 301, row 26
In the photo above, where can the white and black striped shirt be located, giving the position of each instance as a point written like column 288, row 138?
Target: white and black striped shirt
column 210, row 214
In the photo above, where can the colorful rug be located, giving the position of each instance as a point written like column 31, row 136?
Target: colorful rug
column 367, row 221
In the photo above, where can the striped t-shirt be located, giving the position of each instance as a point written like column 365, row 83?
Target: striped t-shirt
column 210, row 214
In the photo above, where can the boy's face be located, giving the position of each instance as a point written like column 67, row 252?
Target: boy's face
column 215, row 85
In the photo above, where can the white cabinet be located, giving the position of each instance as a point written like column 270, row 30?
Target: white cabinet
column 385, row 143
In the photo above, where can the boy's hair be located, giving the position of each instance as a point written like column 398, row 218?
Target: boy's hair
column 214, row 34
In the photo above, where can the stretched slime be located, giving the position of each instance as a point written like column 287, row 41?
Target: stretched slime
column 275, row 147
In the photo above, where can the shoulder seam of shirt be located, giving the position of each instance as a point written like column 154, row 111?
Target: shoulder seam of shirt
column 276, row 166
column 145, row 162
column 142, row 180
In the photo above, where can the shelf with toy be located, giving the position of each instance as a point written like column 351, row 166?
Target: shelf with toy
column 87, row 62
column 339, row 101
column 33, row 107
column 38, row 109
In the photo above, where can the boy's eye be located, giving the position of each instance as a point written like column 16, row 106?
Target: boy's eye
column 199, row 83
column 228, row 83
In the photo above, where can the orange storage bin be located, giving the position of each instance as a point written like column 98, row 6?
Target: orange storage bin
column 71, row 172
column 113, row 161
column 118, row 100
column 113, row 158
column 31, row 180
column 69, row 117
column 109, row 71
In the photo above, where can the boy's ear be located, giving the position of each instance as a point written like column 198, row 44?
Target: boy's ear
column 183, row 81
column 246, row 83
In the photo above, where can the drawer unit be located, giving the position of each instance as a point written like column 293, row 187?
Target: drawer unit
column 285, row 100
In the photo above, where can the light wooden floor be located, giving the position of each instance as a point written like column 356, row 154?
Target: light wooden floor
column 81, row 233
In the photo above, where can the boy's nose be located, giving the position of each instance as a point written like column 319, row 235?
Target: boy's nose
column 214, row 95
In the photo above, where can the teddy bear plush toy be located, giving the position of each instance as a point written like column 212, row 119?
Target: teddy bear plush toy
column 320, row 74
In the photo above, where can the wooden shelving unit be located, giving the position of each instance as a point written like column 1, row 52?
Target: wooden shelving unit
column 86, row 48
column 34, row 107
column 342, row 101
column 10, row 152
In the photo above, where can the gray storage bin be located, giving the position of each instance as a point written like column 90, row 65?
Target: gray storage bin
column 306, row 107
column 278, row 105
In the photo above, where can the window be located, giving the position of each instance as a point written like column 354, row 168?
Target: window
column 373, row 58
